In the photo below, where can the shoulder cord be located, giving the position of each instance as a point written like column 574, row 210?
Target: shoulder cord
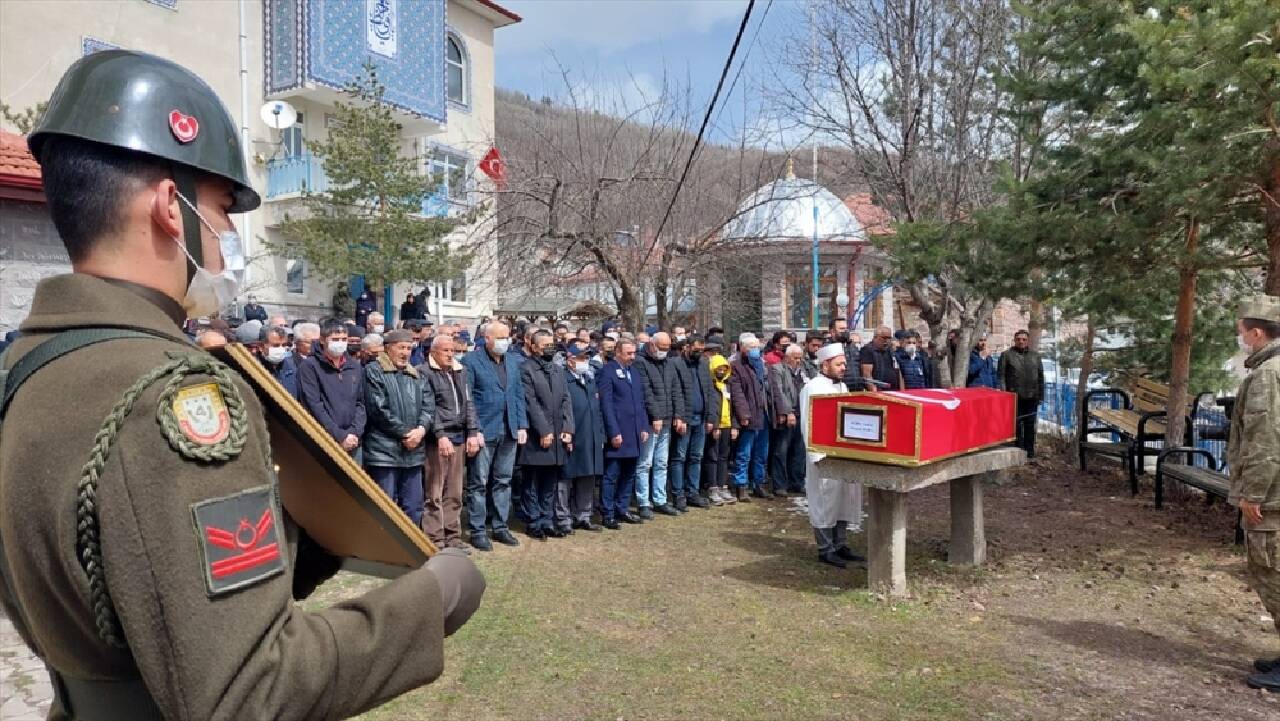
column 88, row 544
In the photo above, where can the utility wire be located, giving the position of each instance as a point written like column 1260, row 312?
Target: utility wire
column 724, row 73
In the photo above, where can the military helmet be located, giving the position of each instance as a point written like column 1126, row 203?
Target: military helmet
column 140, row 102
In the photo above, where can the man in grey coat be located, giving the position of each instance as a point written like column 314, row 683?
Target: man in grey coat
column 786, row 441
column 399, row 411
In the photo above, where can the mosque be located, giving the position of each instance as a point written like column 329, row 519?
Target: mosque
column 763, row 276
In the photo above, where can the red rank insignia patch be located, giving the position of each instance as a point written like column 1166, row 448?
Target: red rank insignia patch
column 239, row 539
column 185, row 127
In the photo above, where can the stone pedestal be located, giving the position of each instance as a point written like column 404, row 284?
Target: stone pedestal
column 887, row 487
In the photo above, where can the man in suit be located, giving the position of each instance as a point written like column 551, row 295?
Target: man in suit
column 626, row 427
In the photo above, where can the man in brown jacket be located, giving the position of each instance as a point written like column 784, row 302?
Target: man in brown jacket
column 144, row 554
column 453, row 431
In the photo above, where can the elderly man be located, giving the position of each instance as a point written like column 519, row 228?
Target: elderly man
column 375, row 323
column 626, row 426
column 835, row 505
column 277, row 359
column 664, row 401
column 454, row 429
column 550, row 412
column 1021, row 371
column 879, row 366
column 305, row 336
column 400, row 410
column 580, row 476
column 373, row 345
column 330, row 386
column 749, row 396
column 498, row 394
column 786, row 441
column 249, row 333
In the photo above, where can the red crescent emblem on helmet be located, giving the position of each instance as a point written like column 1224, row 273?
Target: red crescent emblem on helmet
column 184, row 127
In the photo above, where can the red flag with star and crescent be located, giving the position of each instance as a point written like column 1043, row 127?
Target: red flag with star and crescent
column 495, row 167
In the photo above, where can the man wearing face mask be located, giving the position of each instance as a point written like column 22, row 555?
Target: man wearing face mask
column 278, row 360
column 148, row 603
column 915, row 365
column 665, row 403
column 499, row 402
column 375, row 324
column 685, row 469
column 607, row 345
column 1254, row 459
column 331, row 388
column 551, row 426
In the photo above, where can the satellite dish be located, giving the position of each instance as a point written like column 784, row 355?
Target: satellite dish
column 278, row 115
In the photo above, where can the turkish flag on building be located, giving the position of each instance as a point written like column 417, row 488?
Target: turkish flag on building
column 493, row 166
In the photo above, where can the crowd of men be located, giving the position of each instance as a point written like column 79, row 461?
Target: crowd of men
column 588, row 430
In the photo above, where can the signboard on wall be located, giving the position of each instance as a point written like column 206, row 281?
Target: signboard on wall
column 380, row 27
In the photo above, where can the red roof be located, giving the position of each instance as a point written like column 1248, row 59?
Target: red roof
column 875, row 219
column 17, row 166
column 500, row 10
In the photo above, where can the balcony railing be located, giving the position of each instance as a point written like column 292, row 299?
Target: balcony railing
column 291, row 176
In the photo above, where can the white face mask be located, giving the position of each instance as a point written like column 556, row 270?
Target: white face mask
column 336, row 348
column 911, row 350
column 378, row 328
column 208, row 293
column 277, row 354
column 500, row 345
column 680, row 337
column 659, row 354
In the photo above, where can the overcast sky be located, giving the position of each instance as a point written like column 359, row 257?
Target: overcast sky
column 624, row 47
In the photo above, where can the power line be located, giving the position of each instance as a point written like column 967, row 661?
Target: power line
column 742, row 65
column 724, row 73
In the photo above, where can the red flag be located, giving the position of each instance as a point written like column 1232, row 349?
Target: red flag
column 495, row 167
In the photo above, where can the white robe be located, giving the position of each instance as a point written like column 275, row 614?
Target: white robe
column 830, row 499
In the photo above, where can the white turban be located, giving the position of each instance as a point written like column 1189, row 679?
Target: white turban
column 827, row 352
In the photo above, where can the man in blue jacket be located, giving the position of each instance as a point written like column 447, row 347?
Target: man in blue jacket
column 580, row 476
column 277, row 359
column 331, row 388
column 499, row 402
column 982, row 367
column 626, row 430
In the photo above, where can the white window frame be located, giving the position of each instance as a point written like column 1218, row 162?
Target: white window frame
column 463, row 67
column 441, row 160
column 442, row 291
column 298, row 132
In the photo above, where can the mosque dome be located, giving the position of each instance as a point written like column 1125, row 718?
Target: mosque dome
column 783, row 210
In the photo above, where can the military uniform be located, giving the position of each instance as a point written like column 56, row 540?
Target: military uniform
column 144, row 554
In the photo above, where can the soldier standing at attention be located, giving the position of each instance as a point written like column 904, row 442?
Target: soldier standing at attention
column 144, row 555
column 1254, row 459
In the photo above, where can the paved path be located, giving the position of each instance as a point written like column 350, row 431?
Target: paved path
column 25, row 692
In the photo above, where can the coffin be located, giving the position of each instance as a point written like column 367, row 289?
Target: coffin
column 909, row 428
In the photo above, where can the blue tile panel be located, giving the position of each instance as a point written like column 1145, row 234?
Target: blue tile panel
column 89, row 46
column 323, row 42
column 168, row 4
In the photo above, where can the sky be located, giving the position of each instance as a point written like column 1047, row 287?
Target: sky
column 620, row 50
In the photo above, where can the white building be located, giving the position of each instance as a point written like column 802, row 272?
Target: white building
column 436, row 58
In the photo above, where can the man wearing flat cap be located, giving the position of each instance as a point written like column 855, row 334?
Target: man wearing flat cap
column 834, row 504
column 1254, row 459
column 400, row 409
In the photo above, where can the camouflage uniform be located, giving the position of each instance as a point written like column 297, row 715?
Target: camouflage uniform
column 1254, row 458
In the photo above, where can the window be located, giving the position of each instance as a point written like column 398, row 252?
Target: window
column 294, row 139
column 295, row 276
column 450, row 291
column 455, row 69
column 798, row 302
column 449, row 167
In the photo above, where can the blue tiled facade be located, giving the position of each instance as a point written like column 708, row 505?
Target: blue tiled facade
column 89, row 46
column 324, row 42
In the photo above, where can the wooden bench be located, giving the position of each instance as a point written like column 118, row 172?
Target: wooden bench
column 1208, row 479
column 1139, row 420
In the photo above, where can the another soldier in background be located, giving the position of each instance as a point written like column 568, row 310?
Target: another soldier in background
column 1254, row 460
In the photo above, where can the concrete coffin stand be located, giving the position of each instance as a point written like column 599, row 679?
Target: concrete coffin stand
column 886, row 488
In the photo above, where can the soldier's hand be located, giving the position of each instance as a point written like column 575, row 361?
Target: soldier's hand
column 1252, row 513
column 461, row 586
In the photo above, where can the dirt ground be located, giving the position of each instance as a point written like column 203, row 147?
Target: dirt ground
column 1092, row 605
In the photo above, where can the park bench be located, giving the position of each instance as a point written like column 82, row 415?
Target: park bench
column 1139, row 420
column 1207, row 478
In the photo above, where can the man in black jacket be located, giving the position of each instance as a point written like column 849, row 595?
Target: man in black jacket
column 551, row 427
column 1021, row 371
column 664, row 401
column 453, row 429
column 687, row 447
column 399, row 413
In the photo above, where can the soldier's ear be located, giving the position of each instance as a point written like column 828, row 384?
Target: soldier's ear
column 166, row 211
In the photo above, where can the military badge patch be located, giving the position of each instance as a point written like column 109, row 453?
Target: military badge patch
column 202, row 414
column 239, row 539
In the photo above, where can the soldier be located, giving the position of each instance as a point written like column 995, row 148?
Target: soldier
column 145, row 558
column 1254, row 459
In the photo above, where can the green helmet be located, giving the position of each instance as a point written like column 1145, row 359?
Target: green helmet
column 147, row 104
